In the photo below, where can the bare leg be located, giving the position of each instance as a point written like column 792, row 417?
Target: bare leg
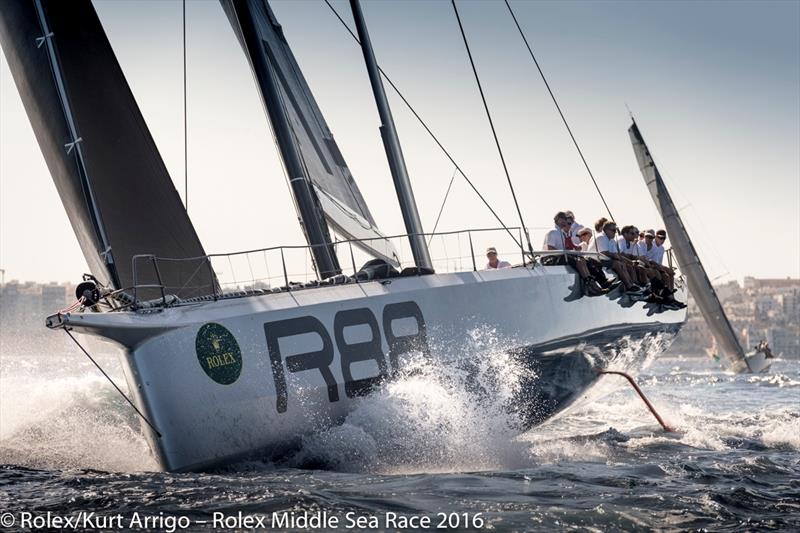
column 622, row 272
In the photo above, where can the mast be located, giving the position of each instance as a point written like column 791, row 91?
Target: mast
column 307, row 203
column 391, row 143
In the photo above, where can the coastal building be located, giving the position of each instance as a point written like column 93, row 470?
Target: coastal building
column 759, row 309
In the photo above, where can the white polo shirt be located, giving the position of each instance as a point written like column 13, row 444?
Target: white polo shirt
column 657, row 254
column 500, row 264
column 643, row 251
column 630, row 248
column 602, row 243
column 554, row 238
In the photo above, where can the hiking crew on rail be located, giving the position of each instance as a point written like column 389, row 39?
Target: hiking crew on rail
column 636, row 262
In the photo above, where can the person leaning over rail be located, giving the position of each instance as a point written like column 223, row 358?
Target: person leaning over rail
column 494, row 261
column 629, row 248
column 606, row 244
column 659, row 279
column 559, row 238
column 653, row 255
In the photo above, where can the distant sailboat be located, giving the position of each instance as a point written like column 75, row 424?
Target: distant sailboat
column 700, row 286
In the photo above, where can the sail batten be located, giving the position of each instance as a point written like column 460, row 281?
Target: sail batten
column 700, row 285
column 324, row 190
column 107, row 170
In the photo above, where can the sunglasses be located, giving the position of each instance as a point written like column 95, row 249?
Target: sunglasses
column 648, row 236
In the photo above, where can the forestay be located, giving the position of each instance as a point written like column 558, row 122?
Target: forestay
column 111, row 179
column 689, row 262
column 322, row 166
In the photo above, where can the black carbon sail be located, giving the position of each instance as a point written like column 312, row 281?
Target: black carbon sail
column 688, row 260
column 108, row 172
column 320, row 180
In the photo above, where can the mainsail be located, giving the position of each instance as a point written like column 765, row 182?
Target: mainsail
column 107, row 170
column 321, row 182
column 689, row 262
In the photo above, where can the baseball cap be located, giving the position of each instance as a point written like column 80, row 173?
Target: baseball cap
column 491, row 250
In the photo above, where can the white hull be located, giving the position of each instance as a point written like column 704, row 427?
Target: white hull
column 757, row 362
column 209, row 413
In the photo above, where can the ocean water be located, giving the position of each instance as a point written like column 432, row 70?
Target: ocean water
column 424, row 447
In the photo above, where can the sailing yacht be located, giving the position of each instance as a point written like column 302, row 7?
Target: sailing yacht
column 218, row 374
column 725, row 340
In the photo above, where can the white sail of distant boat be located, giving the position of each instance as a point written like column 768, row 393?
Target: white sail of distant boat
column 725, row 340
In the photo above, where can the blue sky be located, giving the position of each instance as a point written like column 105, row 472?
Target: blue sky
column 715, row 87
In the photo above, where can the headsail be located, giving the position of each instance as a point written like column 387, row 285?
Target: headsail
column 689, row 262
column 314, row 164
column 107, row 170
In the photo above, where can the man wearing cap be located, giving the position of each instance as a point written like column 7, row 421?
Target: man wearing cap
column 494, row 262
column 646, row 246
column 585, row 236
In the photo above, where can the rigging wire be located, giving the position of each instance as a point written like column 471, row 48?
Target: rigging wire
column 138, row 412
column 441, row 209
column 563, row 118
column 494, row 132
column 428, row 130
column 185, row 122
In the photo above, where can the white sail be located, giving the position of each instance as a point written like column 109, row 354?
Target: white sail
column 689, row 262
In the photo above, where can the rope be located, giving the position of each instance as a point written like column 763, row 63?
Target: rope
column 185, row 121
column 491, row 124
column 138, row 412
column 428, row 130
column 76, row 304
column 563, row 119
column 441, row 209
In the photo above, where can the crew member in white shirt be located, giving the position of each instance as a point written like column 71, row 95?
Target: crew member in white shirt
column 658, row 247
column 606, row 244
column 646, row 246
column 585, row 236
column 654, row 254
column 629, row 247
column 556, row 238
column 494, row 261
column 559, row 238
column 628, row 243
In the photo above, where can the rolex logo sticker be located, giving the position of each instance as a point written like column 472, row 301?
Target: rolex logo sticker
column 218, row 353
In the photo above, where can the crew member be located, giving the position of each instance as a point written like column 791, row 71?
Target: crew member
column 494, row 261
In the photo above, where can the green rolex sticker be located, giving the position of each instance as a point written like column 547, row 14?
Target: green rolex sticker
column 218, row 353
